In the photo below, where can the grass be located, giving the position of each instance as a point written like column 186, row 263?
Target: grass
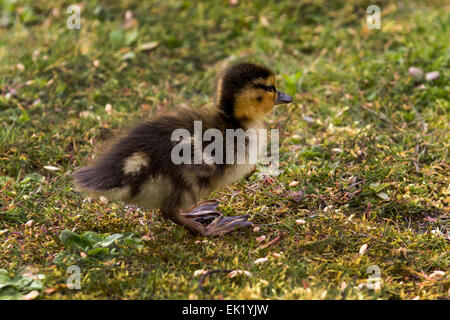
column 365, row 141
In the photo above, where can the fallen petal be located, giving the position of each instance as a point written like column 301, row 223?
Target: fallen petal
column 416, row 72
column 363, row 249
column 103, row 199
column 436, row 274
column 199, row 272
column 31, row 295
column 248, row 274
column 51, row 168
column 261, row 260
column 276, row 254
column 260, row 239
column 293, row 183
column 108, row 108
column 432, row 75
column 148, row 46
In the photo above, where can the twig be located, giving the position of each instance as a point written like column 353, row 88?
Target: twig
column 207, row 273
column 281, row 235
column 356, row 183
column 372, row 237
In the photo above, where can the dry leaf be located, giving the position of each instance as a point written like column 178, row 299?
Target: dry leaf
column 297, row 196
column 146, row 107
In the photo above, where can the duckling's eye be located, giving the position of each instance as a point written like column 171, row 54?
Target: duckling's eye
column 259, row 98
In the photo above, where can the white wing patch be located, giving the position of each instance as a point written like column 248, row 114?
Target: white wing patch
column 135, row 163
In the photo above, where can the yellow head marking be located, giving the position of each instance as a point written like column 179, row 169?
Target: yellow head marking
column 219, row 90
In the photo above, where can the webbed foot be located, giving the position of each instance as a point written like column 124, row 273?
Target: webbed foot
column 206, row 210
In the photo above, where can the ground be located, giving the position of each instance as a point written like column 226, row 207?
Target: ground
column 364, row 184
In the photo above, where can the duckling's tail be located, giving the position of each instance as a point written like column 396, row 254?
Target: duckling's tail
column 98, row 178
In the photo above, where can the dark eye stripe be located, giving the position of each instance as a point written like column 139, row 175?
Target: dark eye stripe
column 267, row 88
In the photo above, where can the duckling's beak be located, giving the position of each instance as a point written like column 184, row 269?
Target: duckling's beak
column 283, row 98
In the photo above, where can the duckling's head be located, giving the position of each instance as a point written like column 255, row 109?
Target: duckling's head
column 248, row 91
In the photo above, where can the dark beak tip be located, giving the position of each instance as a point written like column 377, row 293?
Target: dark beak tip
column 283, row 98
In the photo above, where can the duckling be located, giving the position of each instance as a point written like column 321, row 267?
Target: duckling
column 142, row 168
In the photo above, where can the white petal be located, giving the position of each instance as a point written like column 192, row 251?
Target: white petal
column 261, row 260
column 199, row 272
column 363, row 249
column 51, row 168
column 436, row 274
column 432, row 75
column 416, row 72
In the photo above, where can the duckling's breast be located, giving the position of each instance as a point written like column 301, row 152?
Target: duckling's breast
column 244, row 164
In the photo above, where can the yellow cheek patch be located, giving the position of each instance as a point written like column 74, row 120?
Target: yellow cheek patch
column 244, row 104
column 247, row 105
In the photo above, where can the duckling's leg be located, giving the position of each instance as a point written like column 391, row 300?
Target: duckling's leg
column 205, row 210
column 191, row 224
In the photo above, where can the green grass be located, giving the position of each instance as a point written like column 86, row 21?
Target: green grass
column 367, row 143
